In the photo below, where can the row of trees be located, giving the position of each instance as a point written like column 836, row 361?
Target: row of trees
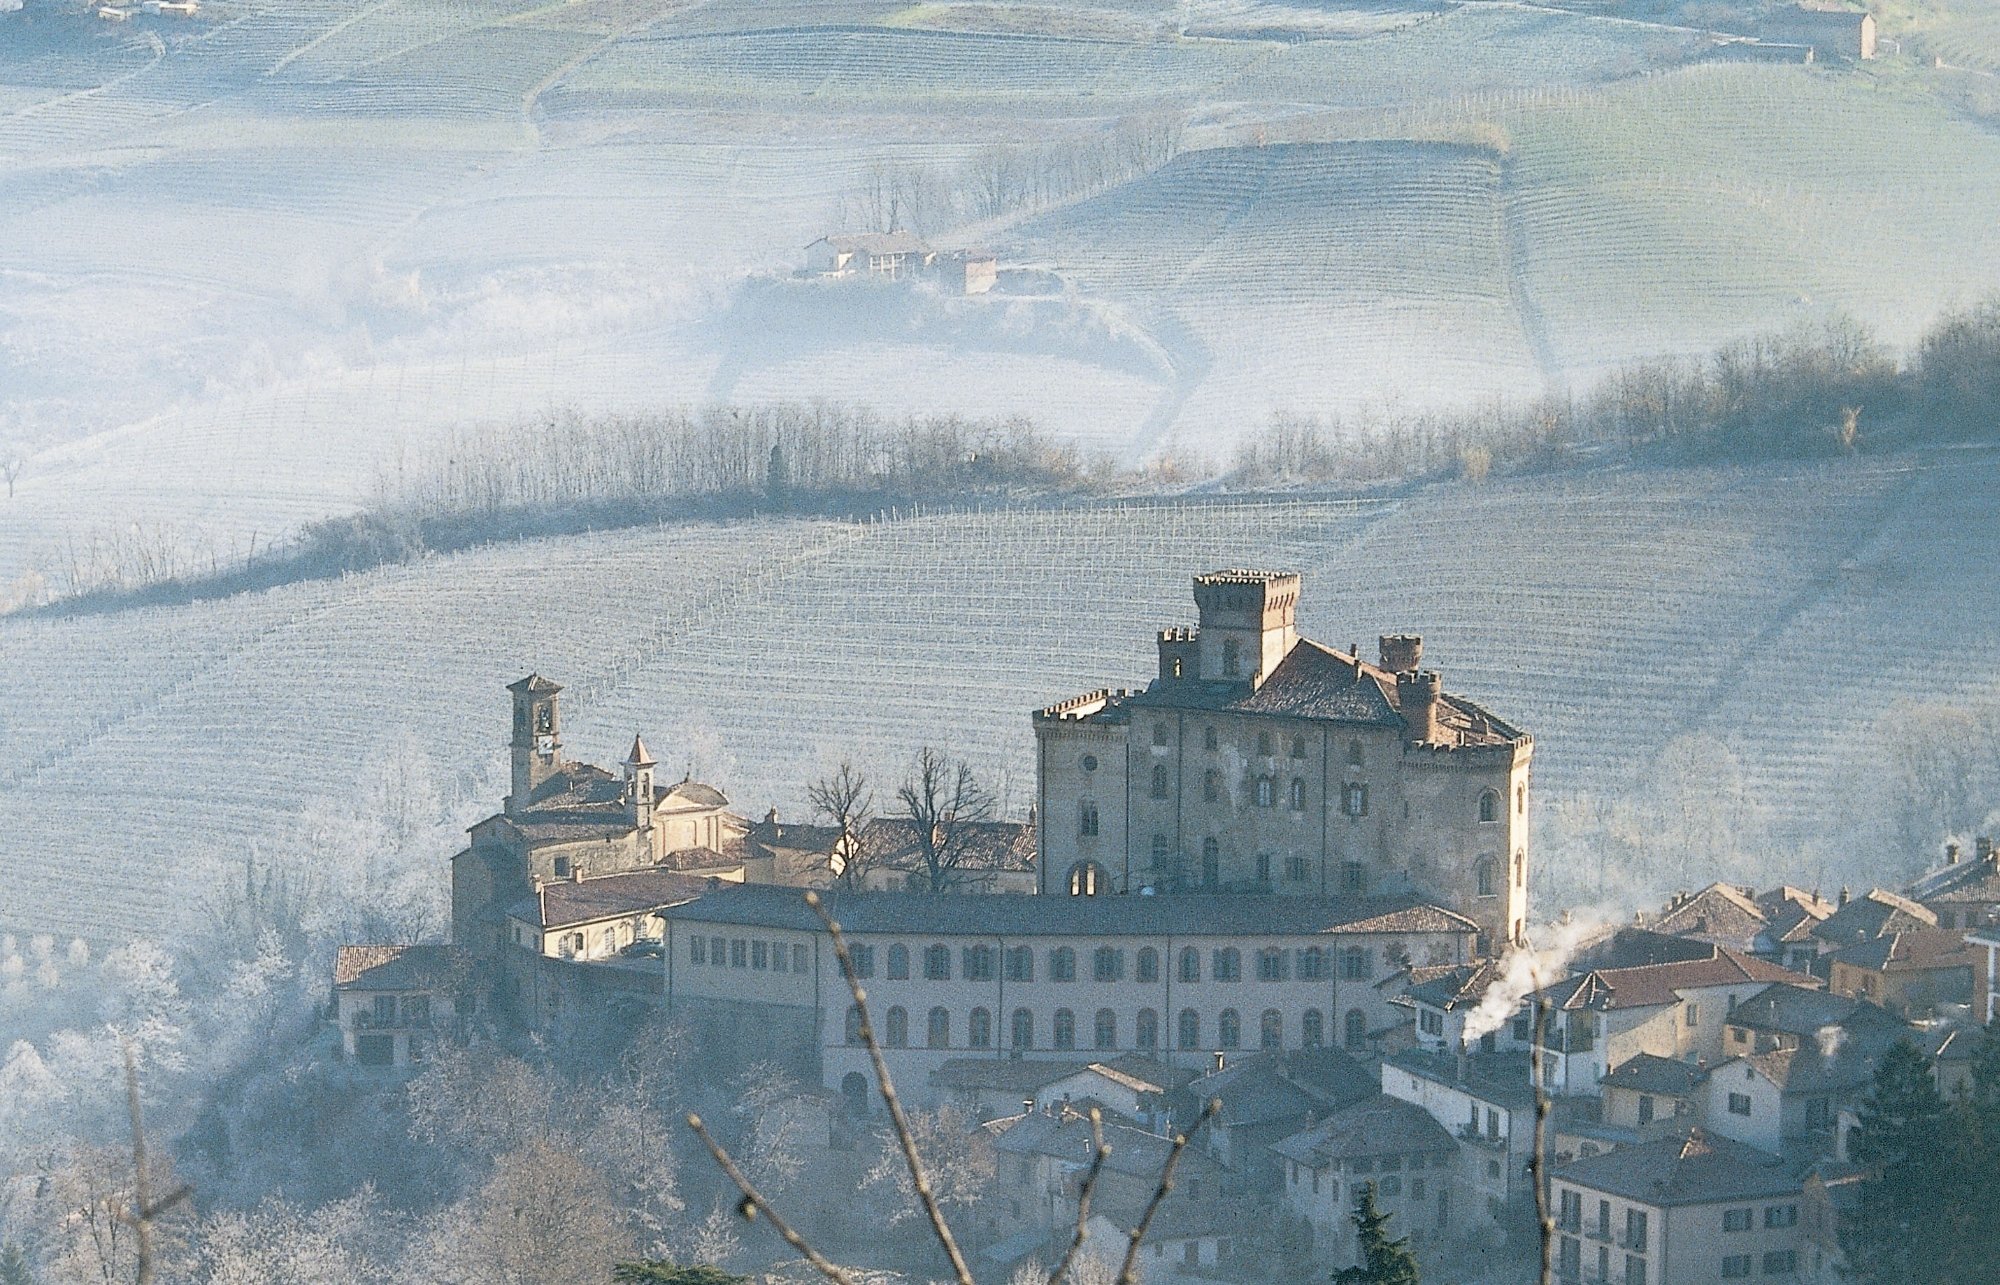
column 941, row 802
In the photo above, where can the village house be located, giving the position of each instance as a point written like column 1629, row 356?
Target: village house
column 1128, row 1089
column 1041, row 1158
column 1776, row 925
column 1487, row 1102
column 391, row 1003
column 1257, row 761
column 1831, row 33
column 1682, row 1210
column 1441, row 998
column 615, row 924
column 1267, row 1096
column 1412, row 1161
column 1877, row 913
column 1984, row 947
column 1909, row 973
column 879, row 256
column 1786, row 1102
column 1788, row 1017
column 948, row 977
column 1649, row 1097
column 1962, row 894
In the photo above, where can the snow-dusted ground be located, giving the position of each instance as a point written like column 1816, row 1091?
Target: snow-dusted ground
column 1780, row 609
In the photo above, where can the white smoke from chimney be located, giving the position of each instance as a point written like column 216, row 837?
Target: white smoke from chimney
column 1830, row 1038
column 1528, row 968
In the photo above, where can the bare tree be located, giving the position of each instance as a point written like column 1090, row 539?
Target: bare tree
column 944, row 803
column 10, row 468
column 546, row 1217
column 844, row 802
column 956, row 1153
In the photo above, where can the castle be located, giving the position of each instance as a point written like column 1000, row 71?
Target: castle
column 1259, row 761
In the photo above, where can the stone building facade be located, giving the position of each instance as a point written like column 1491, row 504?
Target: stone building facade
column 1257, row 761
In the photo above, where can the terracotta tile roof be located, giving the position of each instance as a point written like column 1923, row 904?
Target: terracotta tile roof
column 1185, row 914
column 1877, row 912
column 1974, row 881
column 394, row 968
column 685, row 859
column 582, row 901
column 1454, row 985
column 1065, row 1135
column 1374, row 1126
column 1909, row 952
column 891, row 842
column 1645, row 1073
column 1802, row 1012
column 1501, row 1079
column 1649, row 985
column 1698, row 1168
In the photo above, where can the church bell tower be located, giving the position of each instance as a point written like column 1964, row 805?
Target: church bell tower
column 537, row 740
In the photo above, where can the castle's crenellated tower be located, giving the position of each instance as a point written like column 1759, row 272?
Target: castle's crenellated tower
column 1247, row 622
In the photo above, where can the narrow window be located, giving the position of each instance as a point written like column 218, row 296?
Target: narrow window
column 1298, row 795
column 1160, row 851
column 1161, row 732
column 1062, row 964
column 1354, row 964
column 1148, row 964
column 1296, row 869
column 1147, row 1033
column 1357, row 799
column 899, row 962
column 1086, row 820
column 1211, row 785
column 1263, row 867
column 1227, row 965
column 1022, row 1034
column 937, row 963
column 1190, row 1029
column 1229, row 1029
column 1190, row 964
column 1020, row 964
column 1312, row 964
column 1266, row 792
column 1357, row 1028
column 1298, row 747
column 1271, row 1029
column 1065, row 1029
column 1485, row 874
column 897, row 1027
column 1105, row 1029
column 1159, row 780
column 1230, row 663
column 854, row 1023
column 1353, row 877
column 1107, row 964
column 979, row 1030
column 1312, row 1029
column 1271, row 964
column 1208, row 738
column 1211, row 862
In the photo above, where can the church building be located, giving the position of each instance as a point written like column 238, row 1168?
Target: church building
column 1257, row 761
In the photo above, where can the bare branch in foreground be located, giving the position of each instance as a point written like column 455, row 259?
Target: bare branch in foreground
column 886, row 1086
column 1129, row 1273
column 1099, row 1153
column 753, row 1204
column 144, row 1208
column 1545, row 1224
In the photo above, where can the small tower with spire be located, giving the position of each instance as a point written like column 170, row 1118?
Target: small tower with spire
column 639, row 767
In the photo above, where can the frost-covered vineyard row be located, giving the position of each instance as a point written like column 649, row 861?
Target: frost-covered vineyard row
column 1781, row 609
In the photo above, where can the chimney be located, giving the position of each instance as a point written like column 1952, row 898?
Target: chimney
column 1220, row 1061
column 576, row 873
column 1843, row 894
column 1951, row 854
column 1417, row 693
column 1027, row 1106
column 771, row 817
column 1982, row 848
column 1400, row 652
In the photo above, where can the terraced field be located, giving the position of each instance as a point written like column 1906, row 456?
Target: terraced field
column 1780, row 609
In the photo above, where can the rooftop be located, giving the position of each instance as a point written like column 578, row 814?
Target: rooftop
column 1908, row 952
column 1695, row 1168
column 1645, row 1073
column 1374, row 1126
column 1871, row 915
column 582, row 901
column 394, row 968
column 1501, row 1079
column 1650, row 985
column 877, row 242
column 1185, row 914
column 1796, row 1010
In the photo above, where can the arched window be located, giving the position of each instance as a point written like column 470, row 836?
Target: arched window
column 1520, row 868
column 1087, row 879
column 854, row 1023
column 899, row 962
column 1208, row 737
column 1354, row 756
column 1227, row 966
column 978, row 963
column 1271, row 1029
column 1521, row 799
column 1086, row 819
column 1161, row 850
column 1484, row 871
column 1065, row 1029
column 937, row 1033
column 1357, row 1028
column 1161, row 733
column 937, row 963
column 1147, row 1032
column 1312, row 964
column 1106, row 1029
column 1489, row 806
column 1062, row 964
column 1190, row 964
column 1148, row 964
column 1159, row 780
column 1211, row 862
column 1312, row 1029
column 1354, row 964
column 1230, row 663
column 1229, row 1029
column 1020, row 964
column 897, row 1027
column 1271, row 964
column 1353, row 877
column 1264, row 744
column 1107, row 964
column 1211, row 785
column 1190, row 1029
column 1298, row 795
column 1298, row 747
column 1267, row 792
column 979, row 1029
column 1022, row 1033
column 1356, row 799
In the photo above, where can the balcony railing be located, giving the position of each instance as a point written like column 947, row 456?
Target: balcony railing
column 366, row 1021
column 1492, row 1142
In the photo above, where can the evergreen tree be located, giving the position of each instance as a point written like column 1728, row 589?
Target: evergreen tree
column 14, row 1266
column 1383, row 1261
column 1907, row 1141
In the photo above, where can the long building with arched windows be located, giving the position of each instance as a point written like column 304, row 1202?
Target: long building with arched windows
column 1257, row 761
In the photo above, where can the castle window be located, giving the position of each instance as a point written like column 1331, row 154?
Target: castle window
column 1021, row 1032
column 1065, row 1029
column 1271, row 1029
column 854, row 1023
column 1190, row 1029
column 1160, row 733
column 1190, row 964
column 1485, row 876
column 1226, row 965
column 899, row 962
column 1520, row 868
column 1062, row 964
column 1105, row 1030
column 937, row 1034
column 1357, row 1028
column 1159, row 780
column 1211, row 861
column 1267, row 792
column 1356, row 799
column 1312, row 1029
column 978, row 963
column 1160, row 851
column 1354, row 964
column 1229, row 1029
column 1020, row 964
column 1090, row 762
column 1208, row 737
column 1271, row 964
column 1263, row 867
column 1489, row 806
column 1353, row 877
column 1298, row 747
column 1087, row 879
column 1312, row 964
column 1107, row 964
column 1296, row 869
column 897, row 1027
column 1298, row 794
column 1354, row 758
column 979, row 1029
column 1148, row 964
column 1264, row 744
column 562, row 867
column 1086, row 820
column 863, row 960
column 1521, row 799
column 1211, row 785
column 1147, row 1031
column 1230, row 663
column 937, row 963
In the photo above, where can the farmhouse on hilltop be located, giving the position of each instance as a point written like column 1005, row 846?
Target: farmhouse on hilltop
column 1259, row 761
column 1828, row 31
column 889, row 256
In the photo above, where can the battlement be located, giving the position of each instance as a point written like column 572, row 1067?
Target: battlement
column 1082, row 707
column 1179, row 633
